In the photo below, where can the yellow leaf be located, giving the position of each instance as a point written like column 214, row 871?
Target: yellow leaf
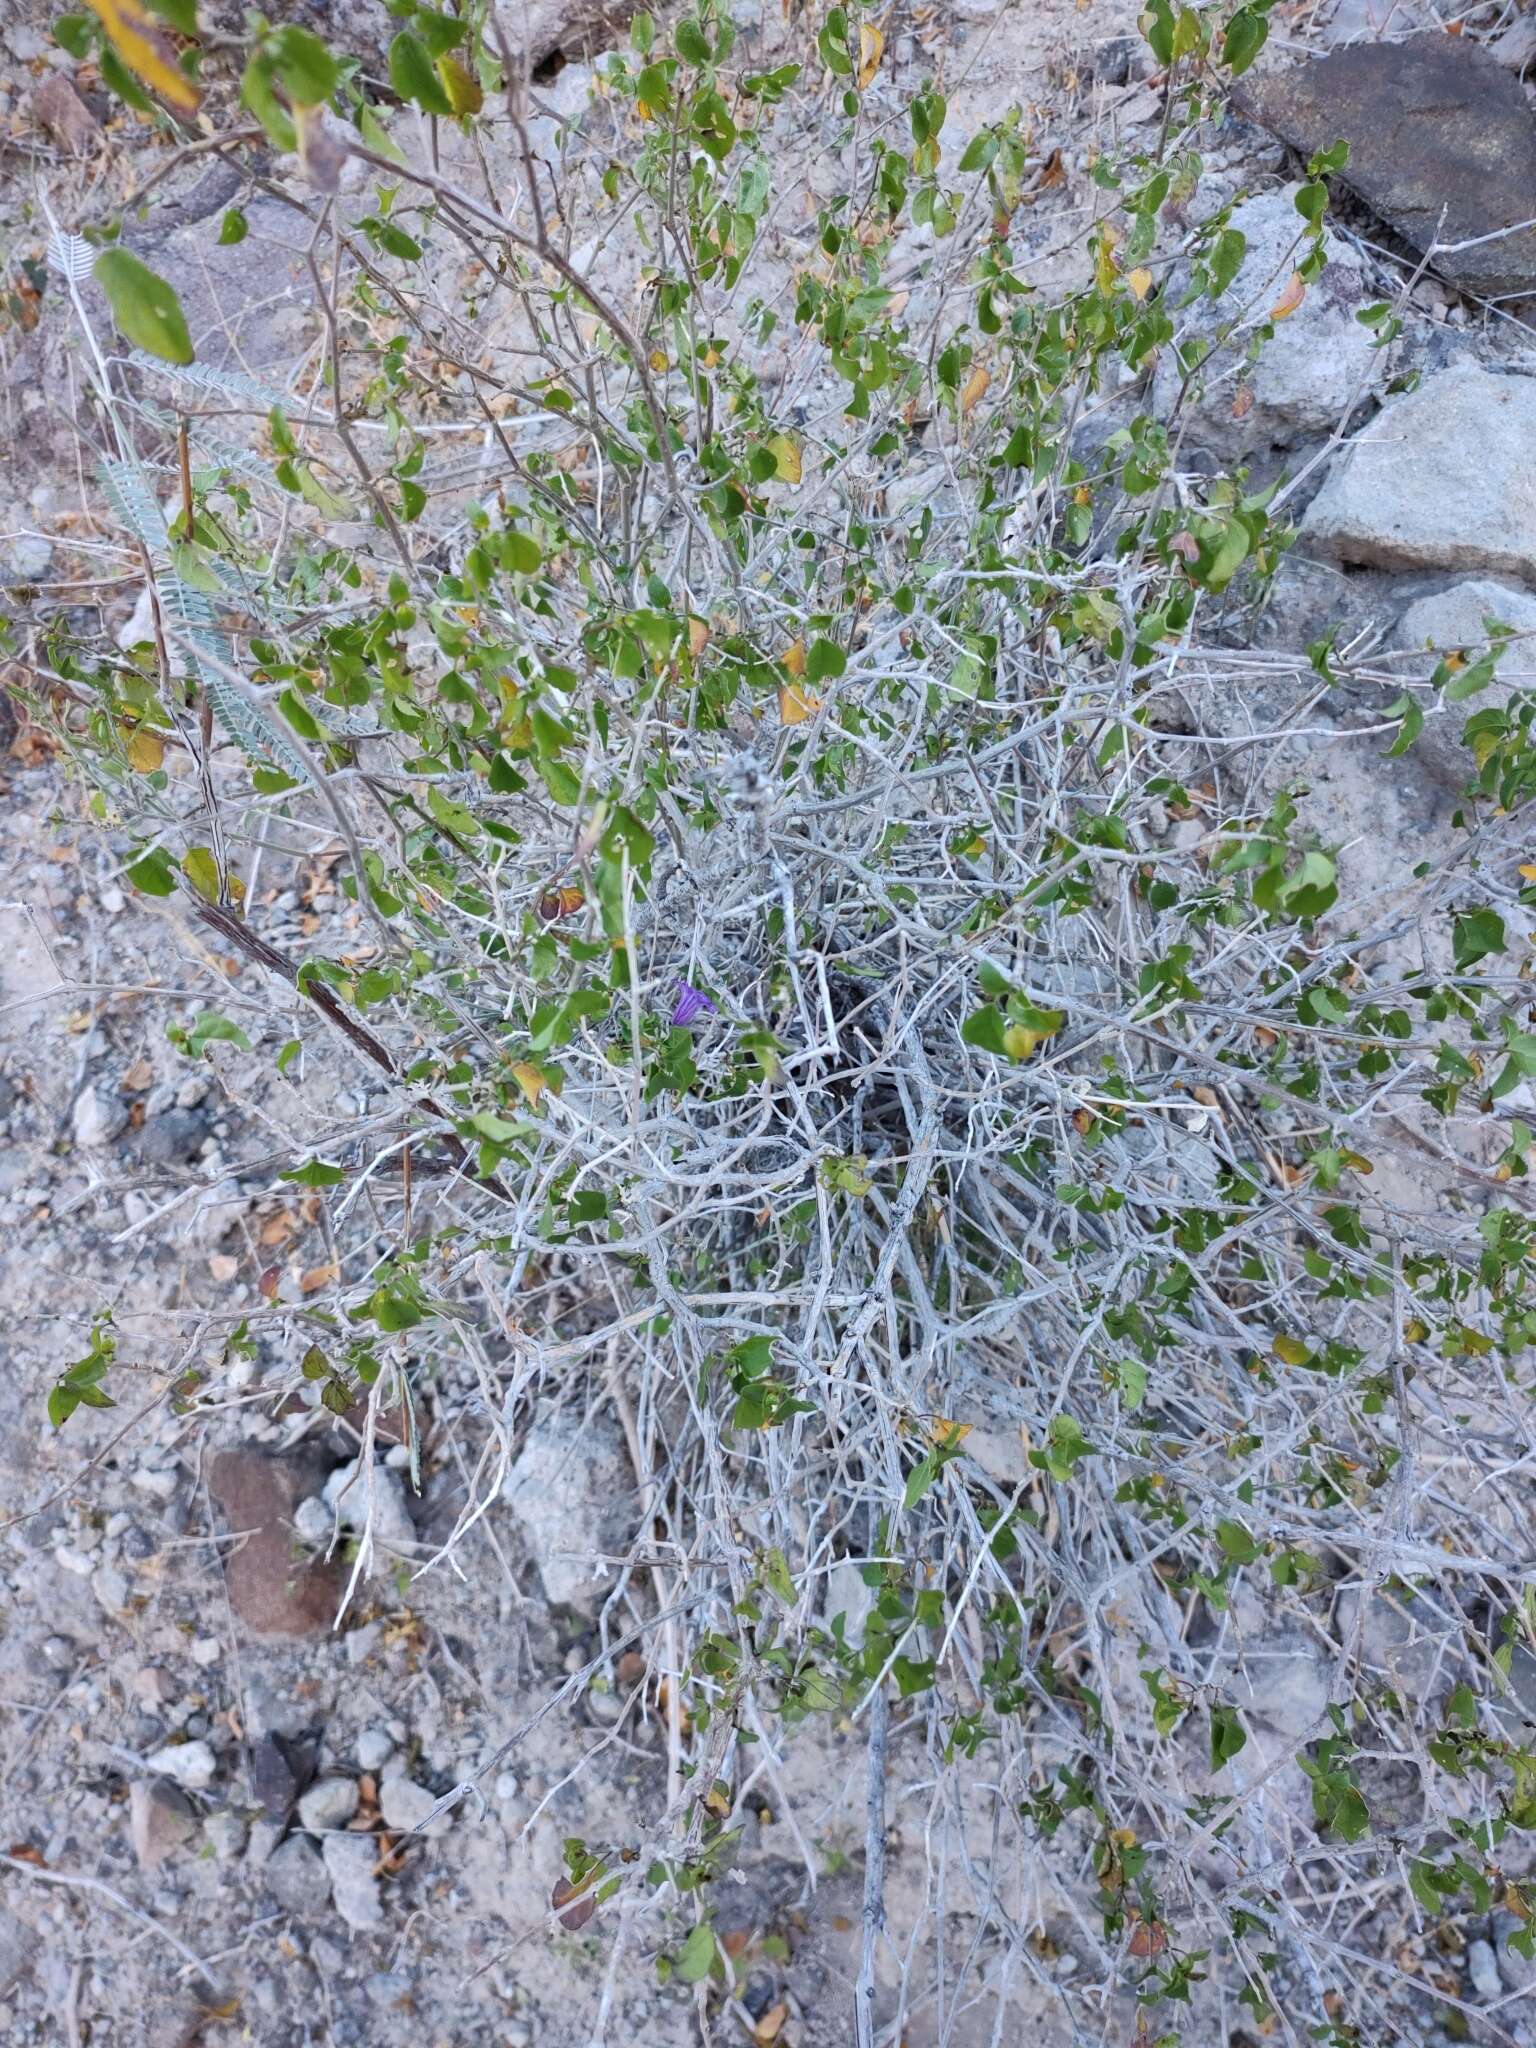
column 1292, row 1350
column 975, row 388
column 871, row 49
column 658, row 359
column 1415, row 1332
column 943, row 1432
column 771, row 2025
column 531, row 1080
column 698, row 635
column 1140, row 282
column 1019, row 1041
column 792, row 660
column 202, row 871
column 146, row 750
column 139, row 41
column 1529, row 873
column 1105, row 268
column 1295, row 291
column 785, row 451
column 796, row 705
column 461, row 86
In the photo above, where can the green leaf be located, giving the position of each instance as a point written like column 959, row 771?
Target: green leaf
column 181, row 14
column 233, row 228
column 315, row 1173
column 697, row 1956
column 258, row 98
column 1475, row 936
column 1236, row 1542
column 1246, row 34
column 148, row 313
column 824, row 661
column 1228, row 1737
column 412, row 75
column 202, row 871
column 376, row 135
column 73, row 32
column 209, row 1027
column 776, row 1576
column 153, row 873
column 305, row 68
column 920, row 1479
column 984, row 1029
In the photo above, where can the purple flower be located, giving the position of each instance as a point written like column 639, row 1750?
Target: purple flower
column 691, row 1004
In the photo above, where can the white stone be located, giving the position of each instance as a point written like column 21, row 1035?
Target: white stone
column 573, row 1491
column 313, row 1522
column 375, row 1497
column 405, row 1805
column 159, row 1484
column 329, row 1803
column 1483, row 1969
column 1443, row 479
column 373, row 1749
column 351, row 1863
column 111, row 1588
column 95, row 1121
column 189, row 1764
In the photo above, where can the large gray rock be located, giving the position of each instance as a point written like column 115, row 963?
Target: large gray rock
column 351, row 1863
column 1454, row 620
column 296, row 1878
column 574, row 1494
column 1441, row 145
column 375, row 1496
column 1442, row 479
column 1317, row 364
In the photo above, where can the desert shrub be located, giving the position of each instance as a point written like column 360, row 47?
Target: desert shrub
column 807, row 1032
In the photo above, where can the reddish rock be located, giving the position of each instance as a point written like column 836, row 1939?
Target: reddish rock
column 60, row 109
column 161, row 1819
column 275, row 1586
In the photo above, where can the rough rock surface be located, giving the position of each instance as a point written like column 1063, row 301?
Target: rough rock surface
column 1454, row 619
column 160, row 1820
column 1442, row 479
column 1441, row 145
column 573, row 1492
column 1320, row 361
column 351, row 1864
column 379, row 1495
column 274, row 1591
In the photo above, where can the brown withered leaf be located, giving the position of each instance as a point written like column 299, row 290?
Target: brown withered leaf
column 573, row 1905
column 1147, row 1939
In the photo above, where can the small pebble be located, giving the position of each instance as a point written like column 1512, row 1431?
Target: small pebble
column 328, row 1804
column 207, row 1650
column 374, row 1749
column 191, row 1764
column 405, row 1805
column 1483, row 1969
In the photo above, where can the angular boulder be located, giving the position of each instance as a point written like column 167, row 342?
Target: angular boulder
column 574, row 1495
column 1318, row 363
column 1442, row 146
column 1443, row 479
